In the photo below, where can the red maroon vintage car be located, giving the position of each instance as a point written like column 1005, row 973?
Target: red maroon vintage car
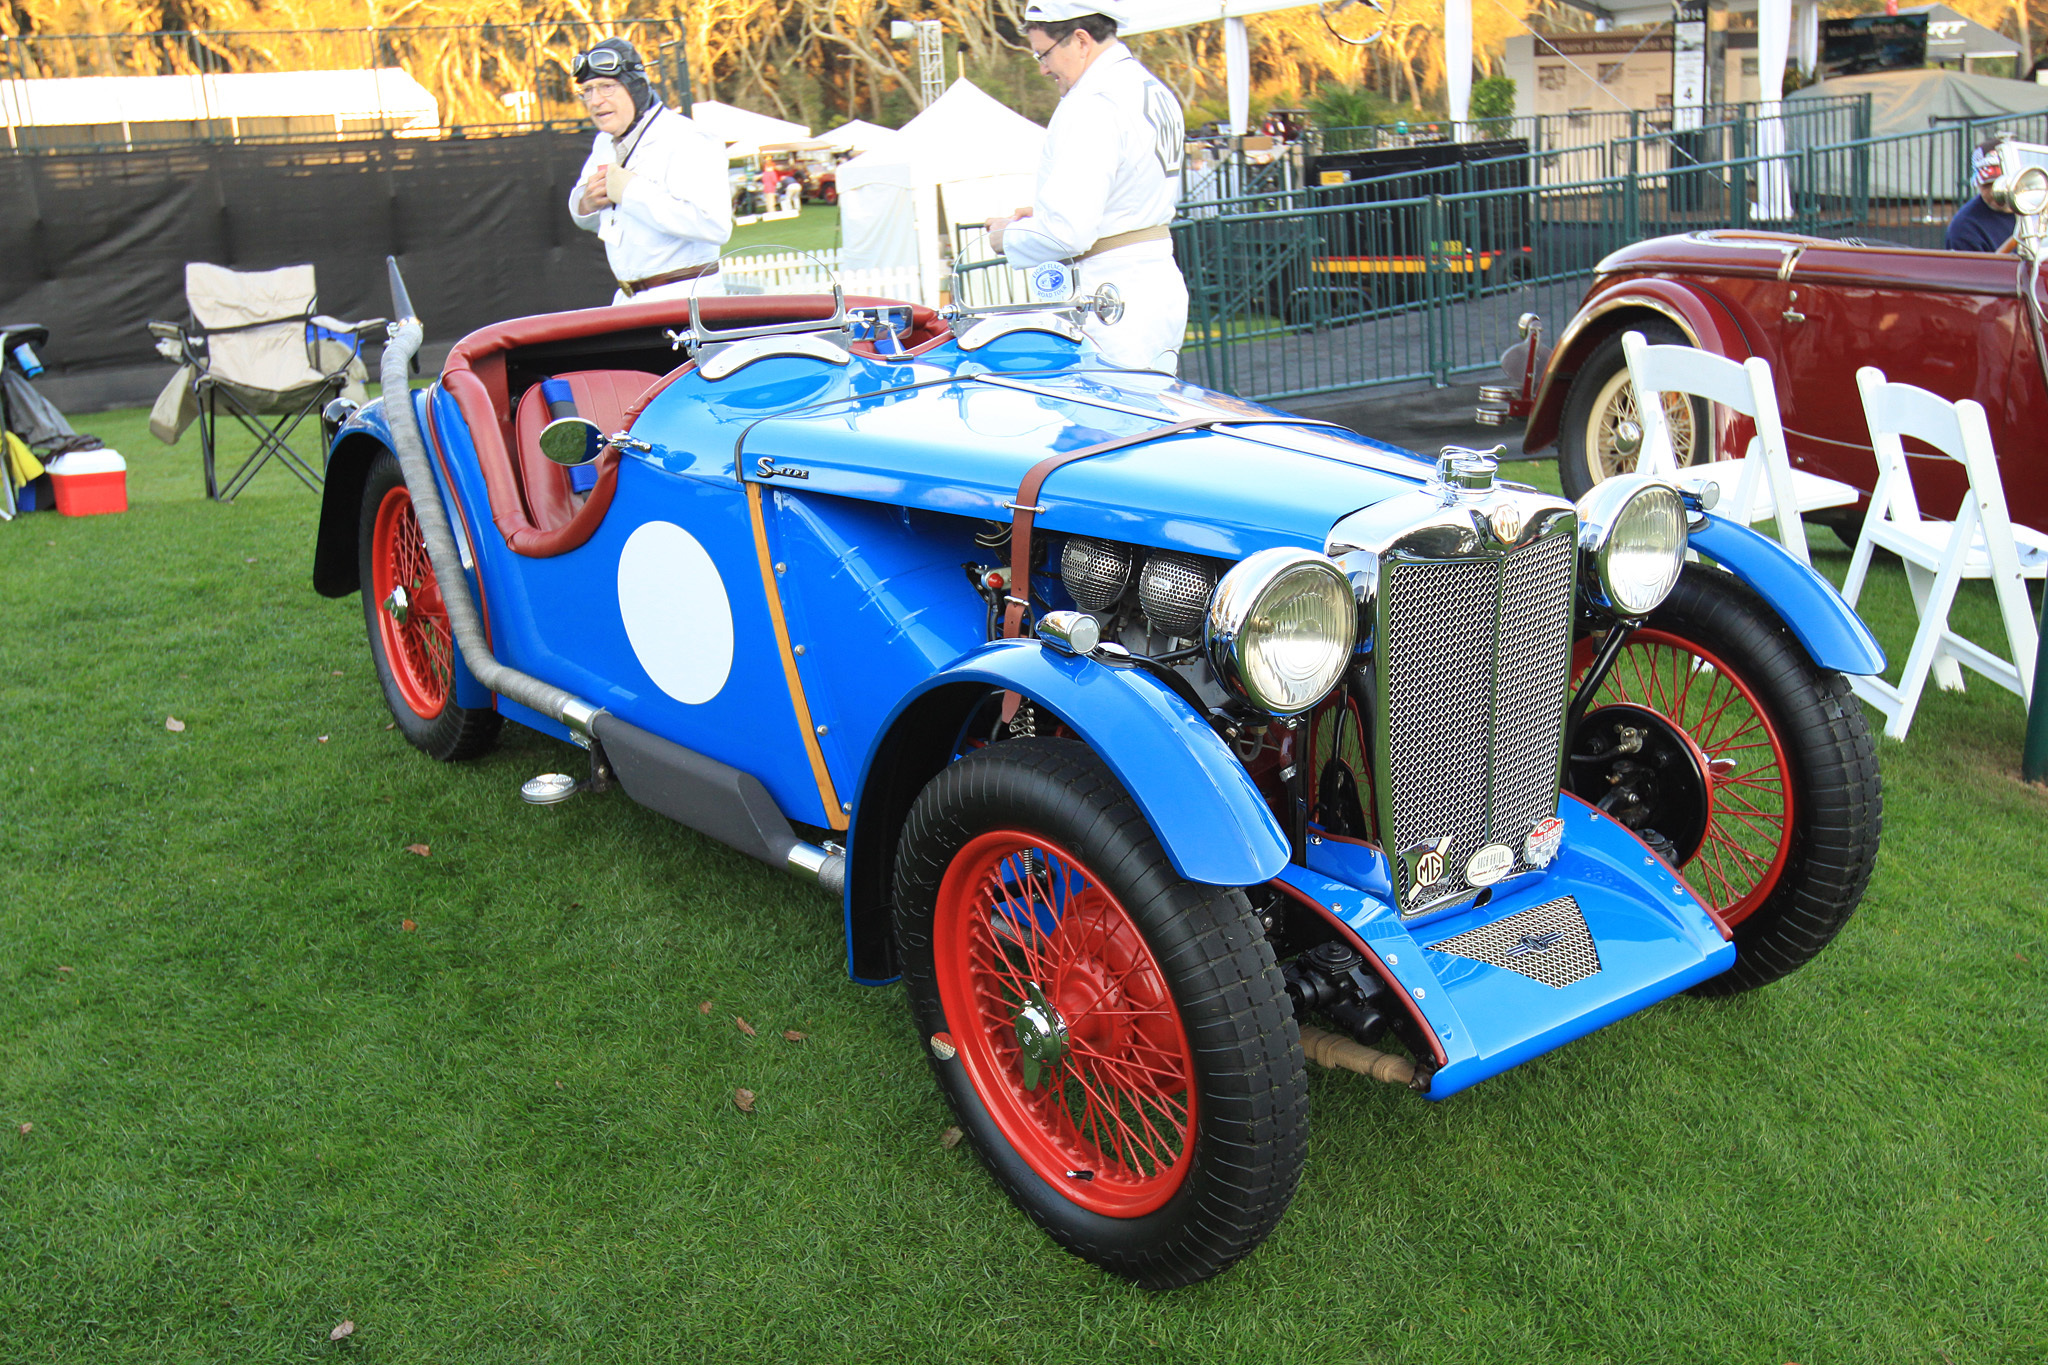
column 1958, row 323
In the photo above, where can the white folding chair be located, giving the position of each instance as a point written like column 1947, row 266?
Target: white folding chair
column 1981, row 542
column 1758, row 485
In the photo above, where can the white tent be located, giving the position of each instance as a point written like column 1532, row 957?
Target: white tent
column 386, row 97
column 744, row 132
column 857, row 135
column 964, row 159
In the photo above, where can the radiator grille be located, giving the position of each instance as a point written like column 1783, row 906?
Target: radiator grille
column 1548, row 943
column 1475, row 654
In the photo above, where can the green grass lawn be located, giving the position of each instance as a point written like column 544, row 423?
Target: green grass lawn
column 816, row 228
column 263, row 1070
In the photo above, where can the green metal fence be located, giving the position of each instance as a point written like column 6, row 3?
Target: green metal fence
column 1303, row 293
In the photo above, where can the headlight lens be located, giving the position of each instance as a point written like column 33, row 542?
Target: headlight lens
column 1632, row 534
column 1281, row 628
column 2030, row 191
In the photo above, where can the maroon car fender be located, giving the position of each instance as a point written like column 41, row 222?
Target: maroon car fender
column 1616, row 306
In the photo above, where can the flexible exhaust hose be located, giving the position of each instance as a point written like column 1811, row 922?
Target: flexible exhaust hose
column 463, row 620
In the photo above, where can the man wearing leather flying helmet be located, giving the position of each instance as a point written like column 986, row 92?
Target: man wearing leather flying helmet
column 654, row 188
column 1108, row 181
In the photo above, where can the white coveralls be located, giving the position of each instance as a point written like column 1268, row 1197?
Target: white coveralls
column 1111, row 164
column 676, row 213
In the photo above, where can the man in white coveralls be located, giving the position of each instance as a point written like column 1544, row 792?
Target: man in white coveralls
column 654, row 188
column 1108, row 181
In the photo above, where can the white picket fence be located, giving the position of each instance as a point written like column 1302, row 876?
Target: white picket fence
column 812, row 272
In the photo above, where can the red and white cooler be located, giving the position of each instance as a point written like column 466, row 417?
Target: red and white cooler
column 89, row 482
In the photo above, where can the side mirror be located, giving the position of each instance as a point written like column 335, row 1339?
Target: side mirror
column 571, row 440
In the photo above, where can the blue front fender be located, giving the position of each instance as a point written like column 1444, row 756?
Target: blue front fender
column 1833, row 634
column 1198, row 798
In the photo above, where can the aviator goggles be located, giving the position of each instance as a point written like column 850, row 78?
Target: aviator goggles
column 601, row 61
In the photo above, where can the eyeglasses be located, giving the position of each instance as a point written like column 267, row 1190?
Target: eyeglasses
column 596, row 92
column 1043, row 57
column 600, row 61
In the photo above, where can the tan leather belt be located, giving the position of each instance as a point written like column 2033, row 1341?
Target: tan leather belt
column 1131, row 238
column 696, row 272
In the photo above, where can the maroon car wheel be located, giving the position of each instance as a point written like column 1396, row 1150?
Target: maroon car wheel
column 1115, row 1041
column 1600, row 429
column 1772, row 776
column 406, row 620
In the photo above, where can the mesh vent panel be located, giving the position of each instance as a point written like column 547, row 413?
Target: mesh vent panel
column 1548, row 943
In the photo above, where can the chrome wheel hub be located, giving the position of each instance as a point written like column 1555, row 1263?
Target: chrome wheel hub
column 1041, row 1034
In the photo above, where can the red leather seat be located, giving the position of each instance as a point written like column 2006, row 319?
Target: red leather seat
column 602, row 396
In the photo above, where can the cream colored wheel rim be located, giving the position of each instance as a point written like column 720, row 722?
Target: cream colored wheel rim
column 1616, row 404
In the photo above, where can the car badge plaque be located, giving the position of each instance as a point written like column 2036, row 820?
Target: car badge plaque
column 1506, row 520
column 1544, row 839
column 1489, row 865
column 1425, row 865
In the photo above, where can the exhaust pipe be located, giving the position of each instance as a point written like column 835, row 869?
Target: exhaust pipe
column 694, row 790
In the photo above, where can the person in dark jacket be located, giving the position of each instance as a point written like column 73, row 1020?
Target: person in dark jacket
column 1980, row 225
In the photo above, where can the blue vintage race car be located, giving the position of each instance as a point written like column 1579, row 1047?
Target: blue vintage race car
column 1156, row 740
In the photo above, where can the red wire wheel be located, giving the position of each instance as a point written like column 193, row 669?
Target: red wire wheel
column 412, row 620
column 1115, row 1041
column 1064, row 1023
column 1794, row 802
column 1751, row 810
column 406, row 621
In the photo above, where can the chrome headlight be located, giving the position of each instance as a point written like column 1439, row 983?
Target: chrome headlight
column 2030, row 191
column 1632, row 543
column 1281, row 628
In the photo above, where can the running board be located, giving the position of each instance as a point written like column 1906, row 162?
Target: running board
column 718, row 801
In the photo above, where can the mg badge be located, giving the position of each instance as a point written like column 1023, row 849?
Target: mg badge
column 1051, row 282
column 1542, row 844
column 1489, row 865
column 1425, row 864
column 1507, row 522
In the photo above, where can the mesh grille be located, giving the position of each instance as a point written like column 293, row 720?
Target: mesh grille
column 1476, row 656
column 1174, row 590
column 1548, row 943
column 1535, row 659
column 1440, row 659
column 1095, row 572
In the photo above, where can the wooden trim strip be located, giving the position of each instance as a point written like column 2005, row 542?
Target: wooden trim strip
column 827, row 793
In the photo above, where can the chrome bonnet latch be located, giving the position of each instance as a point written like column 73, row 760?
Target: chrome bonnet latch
column 1462, row 472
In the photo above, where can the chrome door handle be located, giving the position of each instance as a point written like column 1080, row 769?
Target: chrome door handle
column 1792, row 313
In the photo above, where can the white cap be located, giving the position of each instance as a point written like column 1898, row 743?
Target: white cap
column 1058, row 11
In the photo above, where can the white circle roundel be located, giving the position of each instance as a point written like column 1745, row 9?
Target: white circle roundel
column 678, row 618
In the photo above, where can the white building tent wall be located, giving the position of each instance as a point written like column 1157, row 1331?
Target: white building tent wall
column 964, row 159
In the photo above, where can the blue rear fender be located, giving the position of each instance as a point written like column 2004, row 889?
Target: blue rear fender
column 1833, row 634
column 1209, row 817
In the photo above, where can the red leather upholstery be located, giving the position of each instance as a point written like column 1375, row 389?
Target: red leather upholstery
column 530, row 502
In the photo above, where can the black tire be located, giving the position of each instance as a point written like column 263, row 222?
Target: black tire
column 1781, row 730
column 414, row 656
column 1600, row 398
column 1221, row 1028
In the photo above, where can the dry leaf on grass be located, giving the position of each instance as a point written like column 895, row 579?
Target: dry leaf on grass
column 63, row 969
column 744, row 1026
column 174, row 725
column 794, row 1036
column 27, row 1128
column 950, row 1139
column 420, row 849
column 343, row 1329
column 392, row 726
column 335, row 671
column 743, row 1100
column 323, row 739
column 407, row 925
column 704, row 1008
